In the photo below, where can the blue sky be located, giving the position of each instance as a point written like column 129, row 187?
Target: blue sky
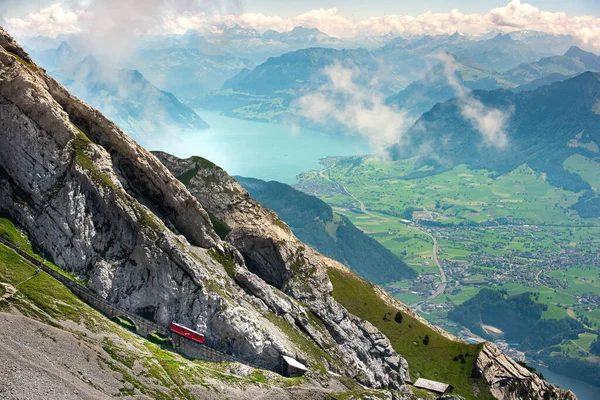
column 358, row 8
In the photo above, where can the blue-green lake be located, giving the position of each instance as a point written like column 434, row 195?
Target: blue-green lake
column 260, row 150
column 583, row 390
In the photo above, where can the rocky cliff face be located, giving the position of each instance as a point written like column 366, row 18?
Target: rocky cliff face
column 275, row 255
column 509, row 380
column 106, row 209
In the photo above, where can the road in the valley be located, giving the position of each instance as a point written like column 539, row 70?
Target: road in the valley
column 442, row 286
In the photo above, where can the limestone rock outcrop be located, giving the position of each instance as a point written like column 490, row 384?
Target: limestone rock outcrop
column 510, row 381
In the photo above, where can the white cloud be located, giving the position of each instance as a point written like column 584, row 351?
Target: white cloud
column 490, row 122
column 50, row 21
column 359, row 108
column 110, row 26
column 596, row 107
column 177, row 16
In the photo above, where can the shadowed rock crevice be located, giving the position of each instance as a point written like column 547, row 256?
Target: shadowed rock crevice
column 263, row 259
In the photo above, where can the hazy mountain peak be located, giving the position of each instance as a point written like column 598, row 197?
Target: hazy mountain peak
column 64, row 47
column 575, row 51
column 500, row 37
column 302, row 31
column 589, row 60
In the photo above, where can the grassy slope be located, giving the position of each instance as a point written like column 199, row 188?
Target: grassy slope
column 433, row 361
column 584, row 167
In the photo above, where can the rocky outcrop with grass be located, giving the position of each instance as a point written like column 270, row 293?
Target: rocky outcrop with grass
column 509, row 380
column 272, row 252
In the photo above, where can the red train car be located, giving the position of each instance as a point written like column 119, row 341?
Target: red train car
column 186, row 332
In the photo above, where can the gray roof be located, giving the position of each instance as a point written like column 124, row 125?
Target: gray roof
column 293, row 363
column 434, row 386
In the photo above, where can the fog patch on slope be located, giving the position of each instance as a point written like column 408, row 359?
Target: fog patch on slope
column 596, row 107
column 490, row 122
column 361, row 109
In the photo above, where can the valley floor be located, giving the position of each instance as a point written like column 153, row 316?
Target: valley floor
column 466, row 229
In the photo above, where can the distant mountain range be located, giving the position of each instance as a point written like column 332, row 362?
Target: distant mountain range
column 546, row 126
column 186, row 71
column 245, row 43
column 500, row 53
column 423, row 94
column 259, row 47
column 315, row 223
column 411, row 58
column 266, row 92
column 125, row 96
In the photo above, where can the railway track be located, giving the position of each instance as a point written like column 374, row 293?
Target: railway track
column 144, row 327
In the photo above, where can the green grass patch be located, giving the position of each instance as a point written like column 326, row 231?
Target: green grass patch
column 187, row 176
column 81, row 145
column 30, row 66
column 220, row 227
column 438, row 360
column 584, row 167
column 315, row 354
column 51, row 299
column 274, row 219
column 160, row 340
column 226, row 261
column 10, row 232
column 126, row 323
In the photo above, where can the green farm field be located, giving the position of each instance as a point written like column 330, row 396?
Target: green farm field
column 459, row 195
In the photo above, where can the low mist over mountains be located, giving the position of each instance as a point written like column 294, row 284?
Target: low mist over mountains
column 217, row 71
column 187, row 72
column 406, row 70
column 129, row 99
column 545, row 127
column 423, row 94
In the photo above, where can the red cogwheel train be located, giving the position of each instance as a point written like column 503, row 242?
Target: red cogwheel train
column 186, row 332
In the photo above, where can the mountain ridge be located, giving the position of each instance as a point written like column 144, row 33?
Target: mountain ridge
column 333, row 235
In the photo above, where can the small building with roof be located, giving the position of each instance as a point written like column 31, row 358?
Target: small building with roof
column 291, row 367
column 437, row 387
